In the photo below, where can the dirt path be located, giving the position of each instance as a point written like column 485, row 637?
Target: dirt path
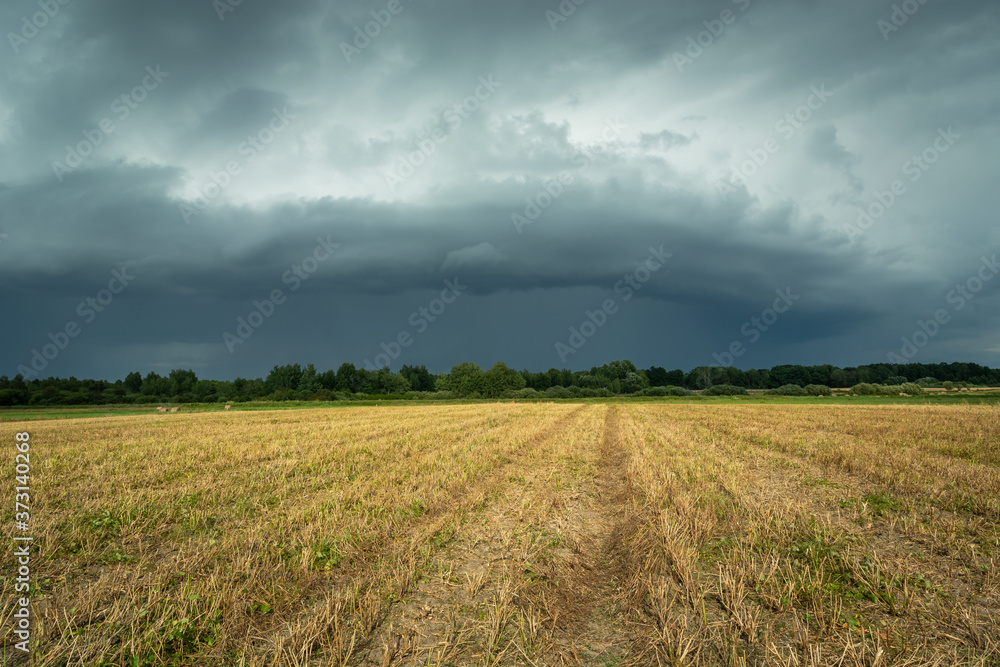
column 590, row 630
column 528, row 578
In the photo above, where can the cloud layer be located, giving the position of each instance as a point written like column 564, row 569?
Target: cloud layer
column 532, row 153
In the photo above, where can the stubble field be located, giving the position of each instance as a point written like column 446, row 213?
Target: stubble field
column 514, row 534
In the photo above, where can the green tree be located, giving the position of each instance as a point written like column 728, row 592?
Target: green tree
column 133, row 383
column 182, row 382
column 840, row 378
column 633, row 382
column 383, row 381
column 328, row 380
column 203, row 391
column 465, row 379
column 702, row 377
column 657, row 376
column 283, row 378
column 499, row 379
column 419, row 377
column 348, row 379
column 154, row 385
column 309, row 380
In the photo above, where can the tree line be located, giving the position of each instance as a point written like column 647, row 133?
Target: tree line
column 466, row 380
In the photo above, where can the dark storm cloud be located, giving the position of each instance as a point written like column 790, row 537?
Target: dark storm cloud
column 595, row 103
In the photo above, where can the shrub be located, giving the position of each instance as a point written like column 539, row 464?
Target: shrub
column 599, row 392
column 679, row 391
column 653, row 391
column 865, row 389
column 896, row 380
column 724, row 390
column 788, row 390
column 818, row 390
column 441, row 395
column 558, row 391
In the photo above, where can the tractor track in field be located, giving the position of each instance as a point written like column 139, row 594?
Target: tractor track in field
column 584, row 576
column 422, row 619
column 593, row 632
column 527, row 579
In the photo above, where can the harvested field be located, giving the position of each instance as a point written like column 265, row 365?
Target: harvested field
column 515, row 534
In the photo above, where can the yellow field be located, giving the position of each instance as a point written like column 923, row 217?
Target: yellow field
column 514, row 534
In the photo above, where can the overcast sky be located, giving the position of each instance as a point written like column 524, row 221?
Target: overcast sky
column 176, row 162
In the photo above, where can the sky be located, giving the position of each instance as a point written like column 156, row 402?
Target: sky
column 228, row 186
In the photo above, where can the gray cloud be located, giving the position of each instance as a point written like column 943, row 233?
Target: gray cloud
column 592, row 123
